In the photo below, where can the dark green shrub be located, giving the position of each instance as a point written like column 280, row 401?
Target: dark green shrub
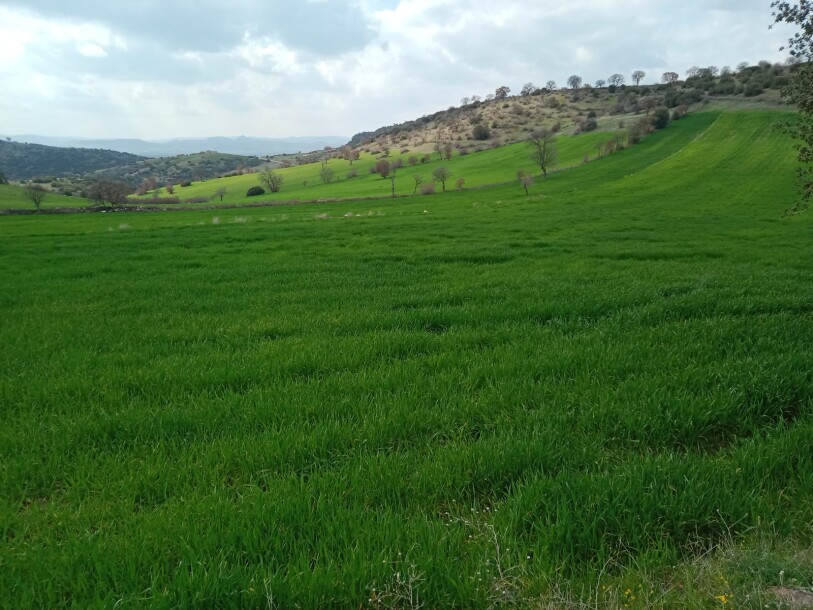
column 481, row 132
column 254, row 191
column 661, row 116
column 754, row 87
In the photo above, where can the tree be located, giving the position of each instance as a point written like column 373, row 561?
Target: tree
column 526, row 182
column 393, row 170
column 799, row 91
column 3, row 179
column 543, row 149
column 742, row 66
column 35, row 194
column 382, row 168
column 447, row 151
column 418, row 181
column 271, row 179
column 441, row 174
column 669, row 77
column 527, row 89
column 464, row 101
column 326, row 174
column 616, row 80
column 648, row 103
column 108, row 191
column 661, row 117
column 221, row 192
column 600, row 83
column 693, row 71
column 502, row 92
column 550, row 86
column 574, row 82
column 170, row 188
column 638, row 76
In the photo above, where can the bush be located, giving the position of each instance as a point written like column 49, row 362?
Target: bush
column 254, row 191
column 428, row 189
column 592, row 114
column 186, row 183
column 661, row 116
column 481, row 132
column 754, row 87
column 588, row 125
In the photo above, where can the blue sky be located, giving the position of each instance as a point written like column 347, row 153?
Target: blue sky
column 188, row 68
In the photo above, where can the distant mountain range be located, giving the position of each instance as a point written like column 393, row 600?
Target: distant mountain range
column 242, row 145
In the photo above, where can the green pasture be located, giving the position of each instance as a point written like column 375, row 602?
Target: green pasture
column 478, row 169
column 13, row 197
column 478, row 399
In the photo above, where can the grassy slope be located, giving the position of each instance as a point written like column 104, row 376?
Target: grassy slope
column 478, row 169
column 209, row 408
column 12, row 197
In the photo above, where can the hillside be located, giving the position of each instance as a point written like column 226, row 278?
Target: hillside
column 594, row 396
column 512, row 118
column 174, row 170
column 20, row 161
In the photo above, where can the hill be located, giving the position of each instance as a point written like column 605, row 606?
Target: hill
column 594, row 396
column 502, row 120
column 25, row 161
column 242, row 145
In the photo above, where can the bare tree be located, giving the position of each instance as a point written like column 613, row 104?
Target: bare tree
column 600, row 83
column 669, row 77
column 527, row 89
column 447, row 151
column 574, row 82
column 170, row 188
column 648, row 103
column 271, row 179
column 108, row 191
column 550, row 86
column 526, row 182
column 543, row 149
column 418, row 181
column 638, row 76
column 502, row 92
column 616, row 80
column 441, row 174
column 221, row 192
column 35, row 194
column 393, row 171
column 693, row 71
column 742, row 66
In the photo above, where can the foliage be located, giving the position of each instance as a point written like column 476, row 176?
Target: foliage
column 481, row 132
column 799, row 92
column 35, row 194
column 441, row 174
column 661, row 116
column 255, row 191
column 25, row 161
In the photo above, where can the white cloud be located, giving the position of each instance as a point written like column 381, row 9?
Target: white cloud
column 326, row 67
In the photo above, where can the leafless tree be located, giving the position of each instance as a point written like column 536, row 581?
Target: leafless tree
column 221, row 192
column 669, row 77
column 502, row 92
column 616, row 80
column 600, row 83
column 543, row 149
column 638, row 76
column 271, row 179
column 574, row 82
column 526, row 182
column 527, row 89
column 550, row 86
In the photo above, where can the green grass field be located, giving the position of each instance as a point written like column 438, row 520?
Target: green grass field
column 479, row 399
column 13, row 197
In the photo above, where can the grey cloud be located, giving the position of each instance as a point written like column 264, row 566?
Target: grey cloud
column 321, row 28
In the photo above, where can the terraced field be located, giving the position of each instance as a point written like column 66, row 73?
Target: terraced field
column 477, row 399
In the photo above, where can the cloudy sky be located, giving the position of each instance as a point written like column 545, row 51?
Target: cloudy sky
column 180, row 68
